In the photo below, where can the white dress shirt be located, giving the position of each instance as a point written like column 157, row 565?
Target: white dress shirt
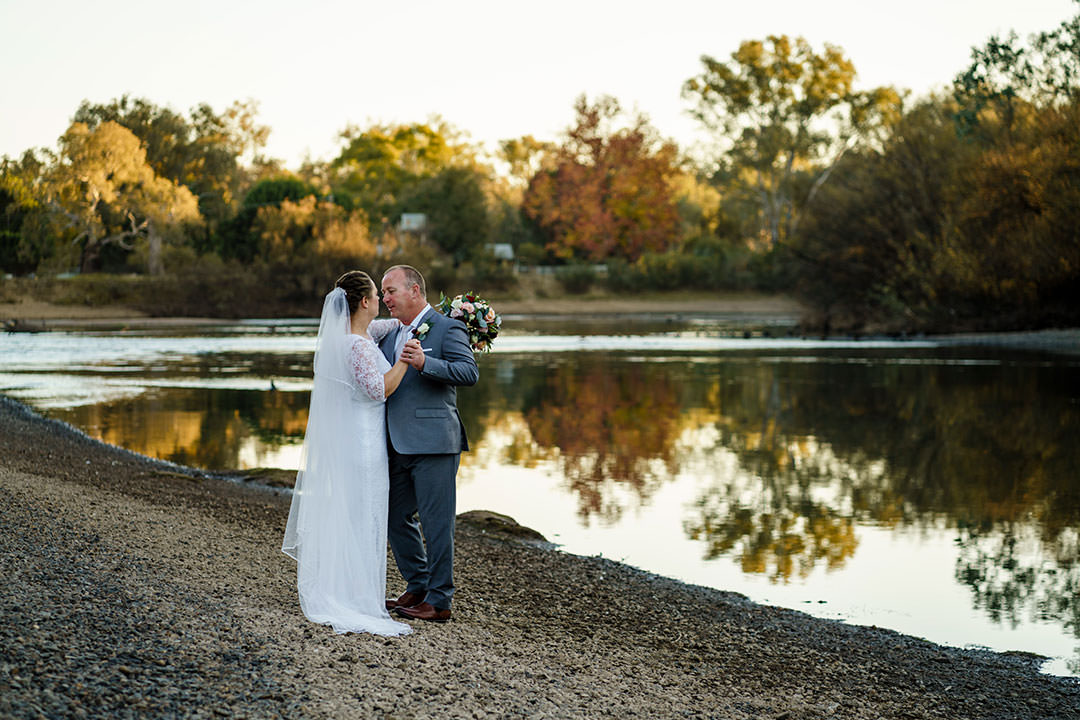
column 406, row 331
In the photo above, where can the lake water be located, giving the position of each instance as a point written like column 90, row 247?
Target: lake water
column 923, row 487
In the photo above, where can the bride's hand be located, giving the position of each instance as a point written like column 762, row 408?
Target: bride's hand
column 413, row 354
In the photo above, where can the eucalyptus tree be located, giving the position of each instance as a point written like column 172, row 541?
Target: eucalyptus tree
column 785, row 114
column 103, row 191
column 1005, row 75
column 524, row 157
column 205, row 150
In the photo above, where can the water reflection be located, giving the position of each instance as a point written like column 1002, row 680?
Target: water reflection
column 1008, row 585
column 207, row 428
column 607, row 425
column 990, row 450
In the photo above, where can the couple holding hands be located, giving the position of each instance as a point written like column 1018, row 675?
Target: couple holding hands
column 380, row 456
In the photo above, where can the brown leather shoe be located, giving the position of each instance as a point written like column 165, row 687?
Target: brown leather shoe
column 424, row 611
column 406, row 599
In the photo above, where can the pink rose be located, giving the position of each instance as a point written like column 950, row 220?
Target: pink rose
column 490, row 316
column 468, row 307
column 455, row 313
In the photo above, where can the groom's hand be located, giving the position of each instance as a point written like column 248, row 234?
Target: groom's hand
column 413, row 354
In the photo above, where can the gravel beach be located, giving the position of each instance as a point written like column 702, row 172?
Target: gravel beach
column 133, row 588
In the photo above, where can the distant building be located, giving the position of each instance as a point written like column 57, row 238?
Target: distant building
column 501, row 251
column 413, row 222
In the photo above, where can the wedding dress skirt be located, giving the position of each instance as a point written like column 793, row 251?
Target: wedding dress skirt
column 336, row 530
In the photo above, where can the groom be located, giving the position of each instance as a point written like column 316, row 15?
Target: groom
column 425, row 438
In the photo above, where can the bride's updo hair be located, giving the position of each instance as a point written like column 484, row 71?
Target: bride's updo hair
column 356, row 284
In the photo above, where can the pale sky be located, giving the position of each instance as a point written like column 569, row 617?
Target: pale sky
column 494, row 68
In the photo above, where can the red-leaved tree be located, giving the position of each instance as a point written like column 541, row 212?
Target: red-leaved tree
column 607, row 193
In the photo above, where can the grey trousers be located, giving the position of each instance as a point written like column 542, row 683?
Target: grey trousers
column 423, row 494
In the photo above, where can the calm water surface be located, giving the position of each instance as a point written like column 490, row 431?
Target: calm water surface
column 924, row 488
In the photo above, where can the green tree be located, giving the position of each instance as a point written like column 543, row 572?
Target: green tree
column 106, row 193
column 380, row 165
column 524, row 157
column 456, row 207
column 306, row 242
column 18, row 204
column 1015, row 250
column 1016, row 245
column 205, row 151
column 873, row 248
column 786, row 115
column 1005, row 74
column 520, row 159
column 240, row 239
column 938, row 231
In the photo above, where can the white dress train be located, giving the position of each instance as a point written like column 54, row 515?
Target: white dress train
column 336, row 530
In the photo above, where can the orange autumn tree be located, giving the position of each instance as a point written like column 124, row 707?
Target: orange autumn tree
column 608, row 191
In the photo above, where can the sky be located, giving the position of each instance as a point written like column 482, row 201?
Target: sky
column 492, row 68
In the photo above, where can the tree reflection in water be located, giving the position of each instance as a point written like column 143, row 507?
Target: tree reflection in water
column 608, row 425
column 795, row 456
column 210, row 428
column 989, row 451
column 998, row 565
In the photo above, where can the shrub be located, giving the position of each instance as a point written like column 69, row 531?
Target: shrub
column 576, row 279
column 490, row 274
column 671, row 271
column 530, row 253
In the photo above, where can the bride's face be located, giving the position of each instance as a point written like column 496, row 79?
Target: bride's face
column 369, row 306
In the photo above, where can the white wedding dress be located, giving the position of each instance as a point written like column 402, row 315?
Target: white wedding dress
column 336, row 530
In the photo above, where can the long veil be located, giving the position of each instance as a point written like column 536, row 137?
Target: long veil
column 336, row 529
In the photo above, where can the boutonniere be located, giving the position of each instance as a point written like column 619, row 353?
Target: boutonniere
column 421, row 332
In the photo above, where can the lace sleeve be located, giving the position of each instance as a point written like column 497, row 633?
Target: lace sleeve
column 365, row 369
column 378, row 329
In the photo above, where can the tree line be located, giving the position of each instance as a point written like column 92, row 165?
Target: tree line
column 958, row 209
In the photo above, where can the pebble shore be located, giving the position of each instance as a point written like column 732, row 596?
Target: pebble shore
column 136, row 589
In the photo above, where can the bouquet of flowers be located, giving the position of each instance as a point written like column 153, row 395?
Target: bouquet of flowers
column 481, row 321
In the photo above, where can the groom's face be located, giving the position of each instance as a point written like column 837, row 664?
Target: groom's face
column 400, row 298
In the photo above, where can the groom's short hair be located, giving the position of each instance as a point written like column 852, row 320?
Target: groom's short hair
column 412, row 277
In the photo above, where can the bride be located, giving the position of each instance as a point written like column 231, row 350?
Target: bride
column 336, row 530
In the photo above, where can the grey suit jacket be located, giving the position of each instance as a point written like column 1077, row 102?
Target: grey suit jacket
column 422, row 416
